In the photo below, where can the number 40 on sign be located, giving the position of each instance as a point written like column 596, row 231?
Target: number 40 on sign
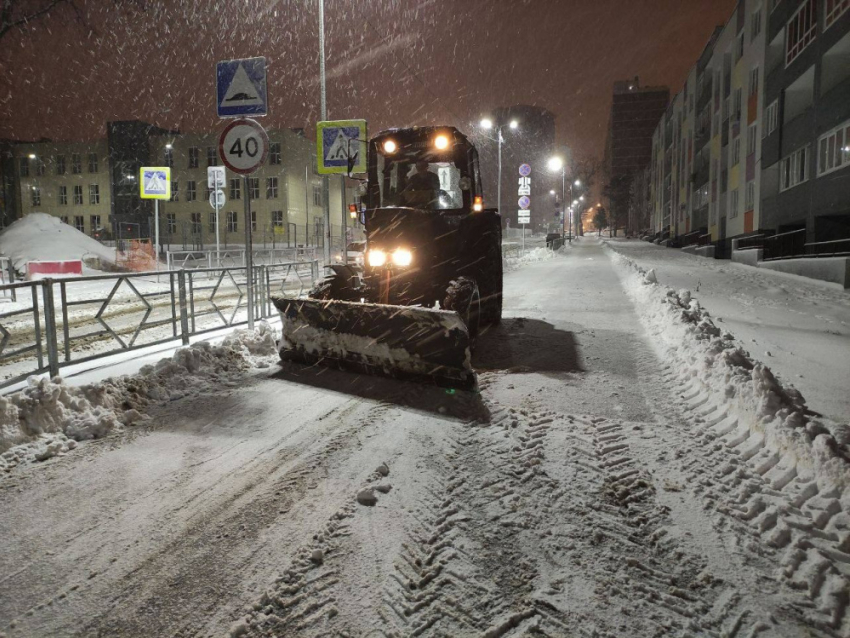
column 243, row 146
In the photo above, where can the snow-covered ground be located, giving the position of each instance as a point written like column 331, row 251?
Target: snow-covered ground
column 799, row 327
column 591, row 487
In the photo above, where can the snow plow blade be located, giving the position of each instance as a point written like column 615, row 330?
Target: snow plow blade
column 397, row 341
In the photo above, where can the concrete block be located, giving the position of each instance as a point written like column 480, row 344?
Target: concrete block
column 834, row 269
column 690, row 249
column 705, row 251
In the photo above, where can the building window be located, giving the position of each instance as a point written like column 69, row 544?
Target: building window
column 191, row 192
column 207, row 192
column 274, row 150
column 196, row 223
column 94, row 222
column 76, row 164
column 78, row 195
column 39, row 167
column 737, row 105
column 169, row 157
column 271, row 188
column 60, row 164
column 739, row 47
column 277, row 218
column 64, row 219
column 794, row 169
column 175, row 191
column 24, row 166
column 235, row 192
column 755, row 24
column 212, row 156
column 317, row 195
column 254, row 187
column 771, row 118
column 212, row 222
column 92, row 162
column 36, row 196
column 752, row 138
column 800, row 31
column 754, row 80
column 193, row 157
column 232, row 222
column 750, row 196
column 63, row 195
column 833, row 10
column 254, row 220
column 733, row 204
column 834, row 149
column 94, row 194
column 736, row 150
column 79, row 223
column 171, row 223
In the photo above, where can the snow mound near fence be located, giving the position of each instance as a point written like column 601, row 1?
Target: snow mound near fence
column 532, row 256
column 699, row 352
column 43, row 237
column 49, row 417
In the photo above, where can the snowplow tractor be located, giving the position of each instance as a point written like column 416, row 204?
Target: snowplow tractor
column 432, row 274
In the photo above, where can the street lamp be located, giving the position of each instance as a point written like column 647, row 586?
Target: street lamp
column 487, row 124
column 555, row 165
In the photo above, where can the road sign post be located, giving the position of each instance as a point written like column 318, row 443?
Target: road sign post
column 243, row 147
column 155, row 184
column 215, row 182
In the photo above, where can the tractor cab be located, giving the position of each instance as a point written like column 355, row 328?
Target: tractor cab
column 425, row 168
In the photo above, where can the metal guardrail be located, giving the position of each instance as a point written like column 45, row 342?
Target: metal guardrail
column 234, row 257
column 132, row 311
column 785, row 245
column 7, row 276
column 832, row 248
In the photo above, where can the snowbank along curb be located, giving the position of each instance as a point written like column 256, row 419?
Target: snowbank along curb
column 49, row 417
column 775, row 417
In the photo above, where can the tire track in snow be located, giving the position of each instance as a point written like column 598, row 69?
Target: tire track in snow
column 774, row 507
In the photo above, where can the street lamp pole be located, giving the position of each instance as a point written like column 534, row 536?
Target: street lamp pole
column 488, row 124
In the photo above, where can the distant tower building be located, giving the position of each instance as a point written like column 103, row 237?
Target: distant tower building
column 635, row 112
column 533, row 143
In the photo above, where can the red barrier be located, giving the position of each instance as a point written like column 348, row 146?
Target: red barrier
column 42, row 269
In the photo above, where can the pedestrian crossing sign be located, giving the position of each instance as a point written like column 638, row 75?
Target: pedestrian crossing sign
column 155, row 182
column 341, row 147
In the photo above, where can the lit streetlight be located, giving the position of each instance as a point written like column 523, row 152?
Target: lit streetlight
column 488, row 124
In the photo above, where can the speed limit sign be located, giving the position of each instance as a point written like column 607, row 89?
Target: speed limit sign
column 243, row 146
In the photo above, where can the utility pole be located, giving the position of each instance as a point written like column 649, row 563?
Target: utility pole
column 326, row 209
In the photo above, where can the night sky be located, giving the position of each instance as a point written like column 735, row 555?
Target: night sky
column 393, row 62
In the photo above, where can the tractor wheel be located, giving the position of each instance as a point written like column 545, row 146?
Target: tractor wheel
column 341, row 285
column 490, row 285
column 462, row 296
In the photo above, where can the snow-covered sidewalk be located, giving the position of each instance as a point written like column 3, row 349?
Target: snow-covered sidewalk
column 799, row 327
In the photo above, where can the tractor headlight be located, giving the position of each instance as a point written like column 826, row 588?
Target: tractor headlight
column 377, row 258
column 402, row 257
column 441, row 142
column 390, row 147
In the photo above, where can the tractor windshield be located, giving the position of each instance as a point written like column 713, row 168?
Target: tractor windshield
column 418, row 183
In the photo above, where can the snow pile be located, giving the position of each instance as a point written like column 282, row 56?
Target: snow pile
column 49, row 417
column 43, row 237
column 698, row 351
column 532, row 256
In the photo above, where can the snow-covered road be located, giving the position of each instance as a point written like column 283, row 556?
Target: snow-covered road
column 799, row 327
column 580, row 493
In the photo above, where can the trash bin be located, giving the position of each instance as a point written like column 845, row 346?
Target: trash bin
column 554, row 241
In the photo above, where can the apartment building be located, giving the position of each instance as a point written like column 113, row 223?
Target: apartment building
column 806, row 143
column 757, row 141
column 635, row 111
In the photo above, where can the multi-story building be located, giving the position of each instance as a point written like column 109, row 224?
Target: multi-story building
column 69, row 180
column 93, row 186
column 757, row 141
column 806, row 140
column 635, row 111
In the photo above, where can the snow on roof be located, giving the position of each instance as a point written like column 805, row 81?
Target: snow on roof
column 43, row 237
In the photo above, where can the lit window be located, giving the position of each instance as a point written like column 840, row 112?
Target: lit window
column 36, row 196
column 834, row 149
